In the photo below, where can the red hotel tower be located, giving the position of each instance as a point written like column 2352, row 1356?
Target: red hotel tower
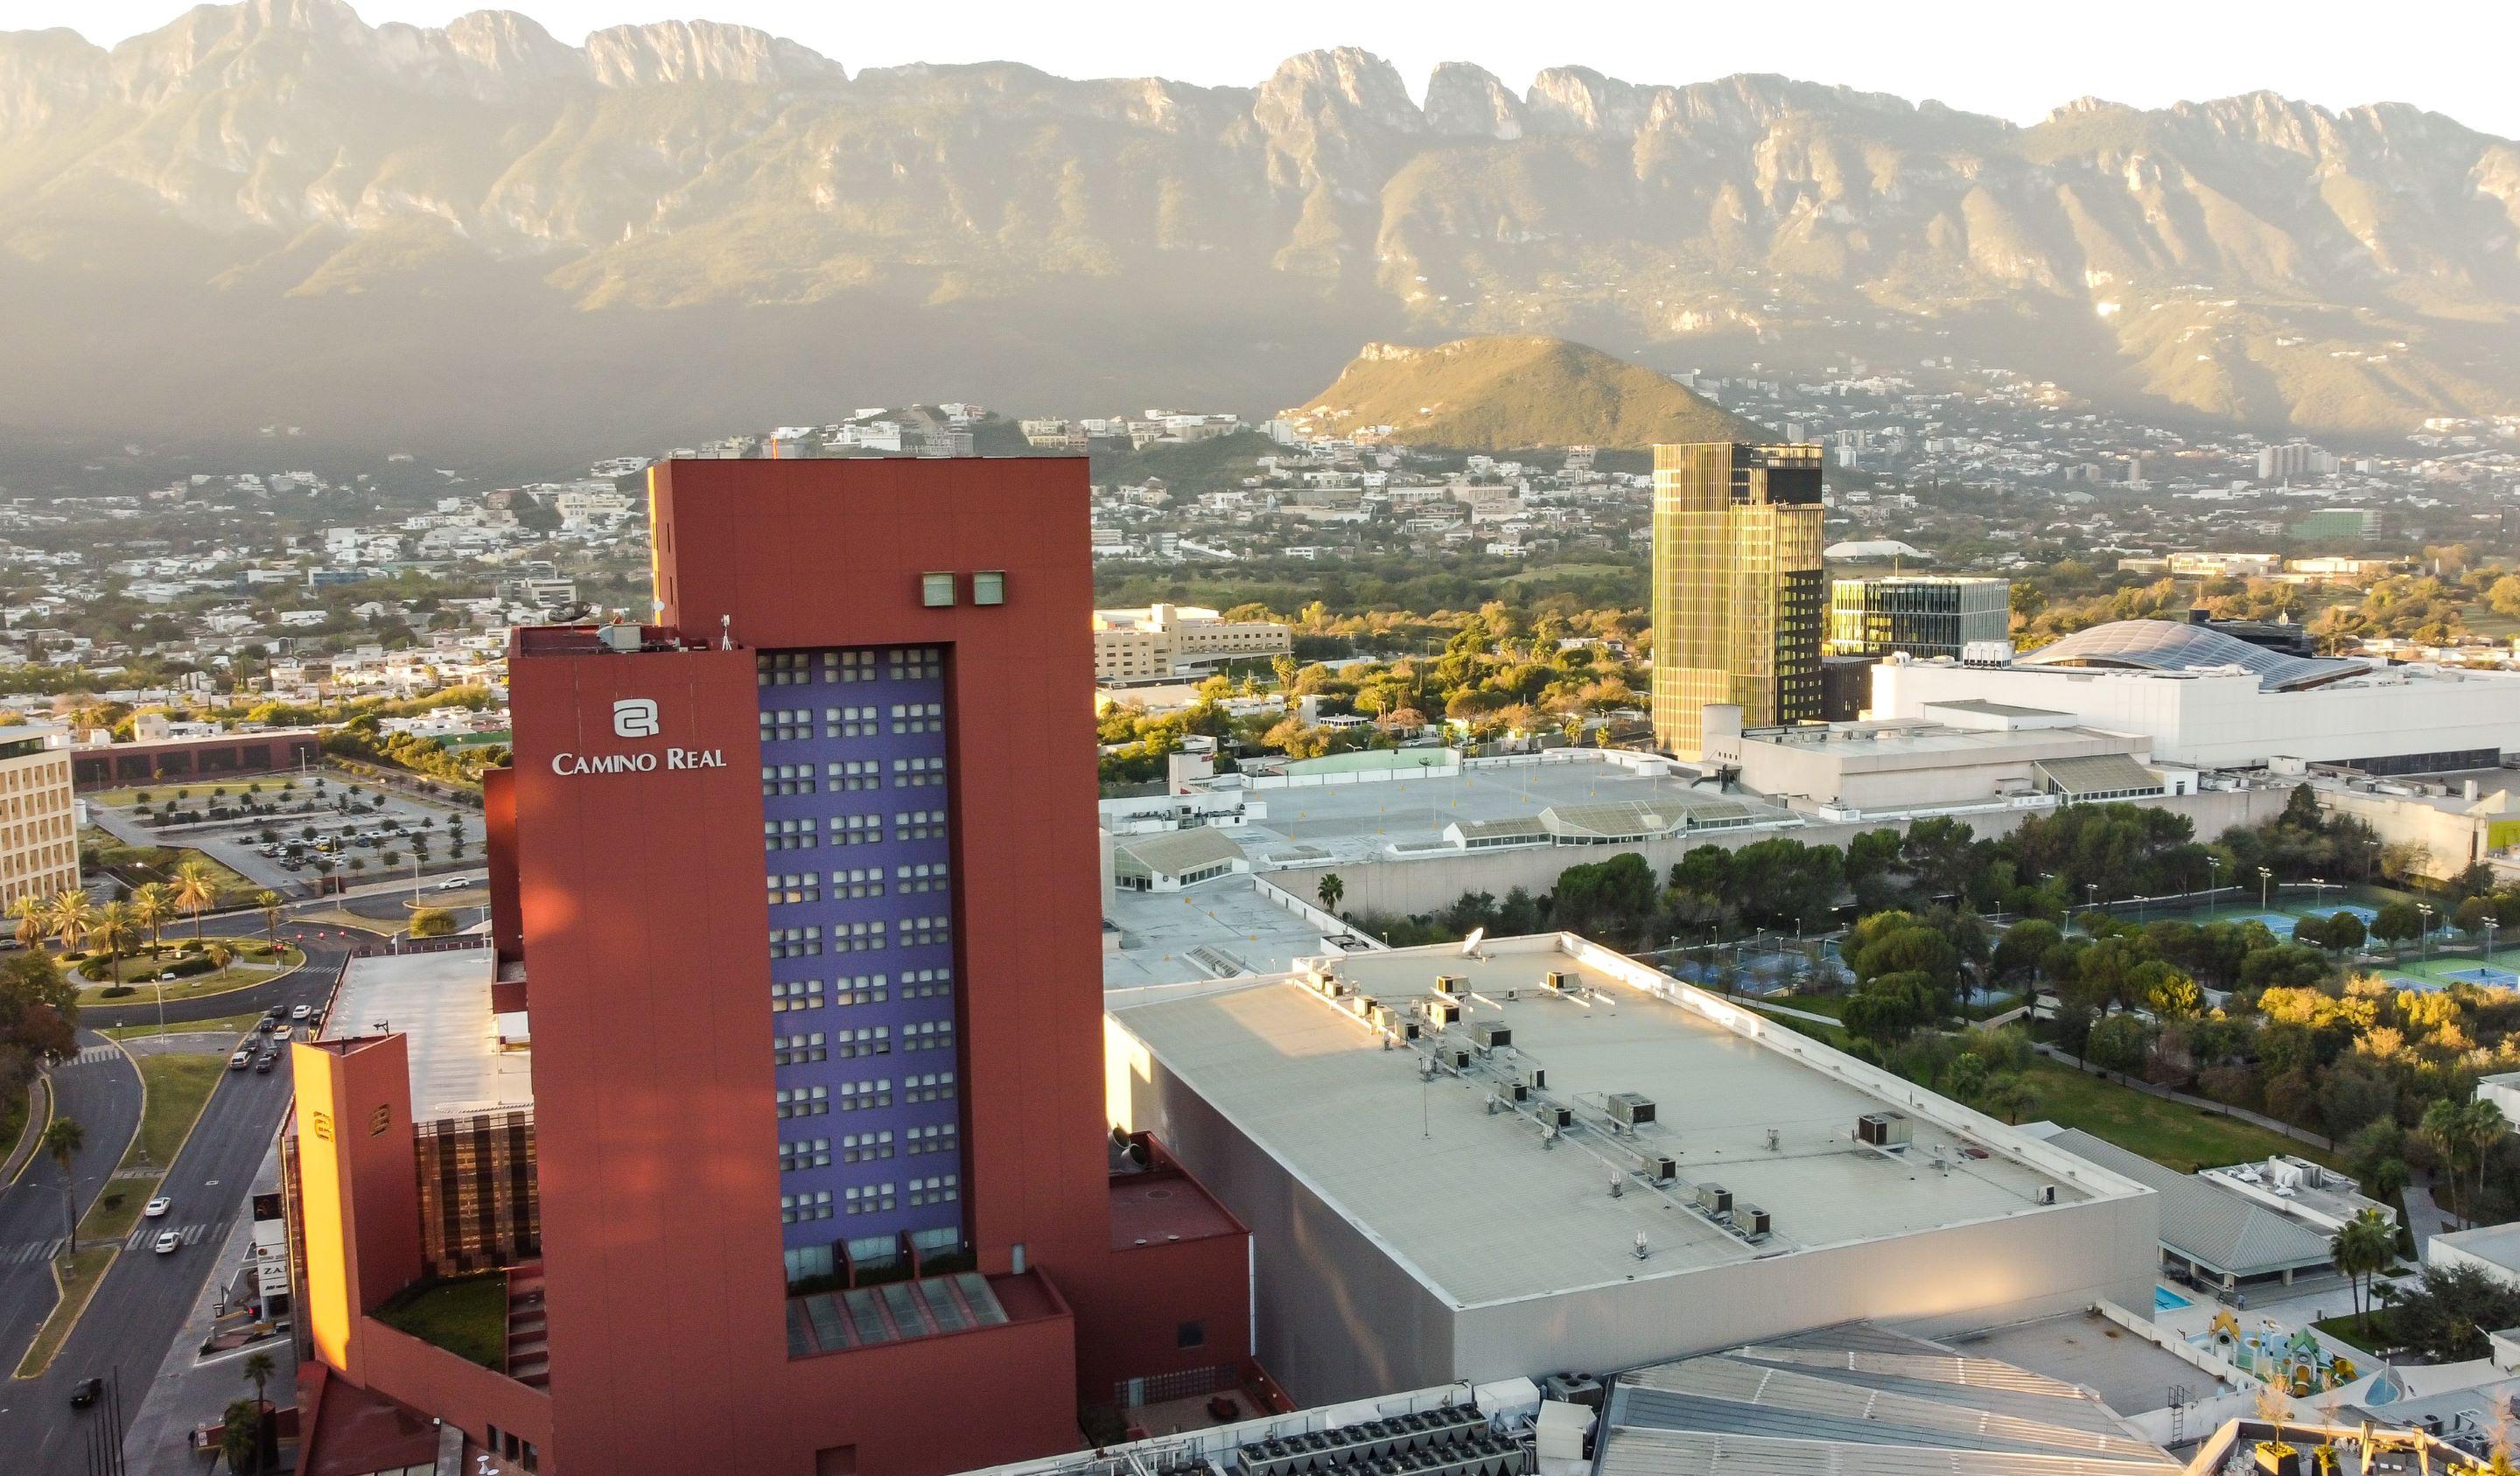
column 801, row 881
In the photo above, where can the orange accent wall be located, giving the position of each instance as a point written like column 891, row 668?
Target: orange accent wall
column 359, row 1194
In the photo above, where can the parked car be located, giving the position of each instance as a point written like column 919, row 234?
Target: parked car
column 86, row 1392
column 166, row 1242
column 156, row 1207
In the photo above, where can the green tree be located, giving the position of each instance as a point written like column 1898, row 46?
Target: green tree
column 2121, row 1043
column 240, row 1437
column 62, row 1138
column 2363, row 1248
column 1330, row 891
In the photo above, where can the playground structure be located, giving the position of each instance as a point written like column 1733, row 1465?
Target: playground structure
column 2295, row 1362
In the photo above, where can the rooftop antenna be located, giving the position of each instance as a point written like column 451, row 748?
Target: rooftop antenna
column 1618, row 1185
column 1470, row 944
column 1642, row 1252
column 726, row 633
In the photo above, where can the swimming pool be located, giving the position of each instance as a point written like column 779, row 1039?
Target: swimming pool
column 2165, row 1300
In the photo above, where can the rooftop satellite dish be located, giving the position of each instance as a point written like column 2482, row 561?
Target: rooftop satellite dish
column 1470, row 944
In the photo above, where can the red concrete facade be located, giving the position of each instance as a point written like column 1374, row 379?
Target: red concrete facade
column 205, row 760
column 639, row 910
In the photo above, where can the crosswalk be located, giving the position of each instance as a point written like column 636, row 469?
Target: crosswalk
column 147, row 1235
column 92, row 1054
column 31, row 1252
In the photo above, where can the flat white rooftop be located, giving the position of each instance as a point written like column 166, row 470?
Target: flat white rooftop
column 1483, row 1208
column 440, row 1002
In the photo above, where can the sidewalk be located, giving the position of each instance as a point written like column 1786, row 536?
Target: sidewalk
column 192, row 1389
column 2200, row 1104
column 2425, row 1219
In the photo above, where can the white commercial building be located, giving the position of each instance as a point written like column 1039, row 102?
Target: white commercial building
column 1165, row 639
column 1542, row 1155
column 2213, row 701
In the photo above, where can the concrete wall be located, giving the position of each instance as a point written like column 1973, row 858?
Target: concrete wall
column 1426, row 883
column 1338, row 1317
column 2032, row 1264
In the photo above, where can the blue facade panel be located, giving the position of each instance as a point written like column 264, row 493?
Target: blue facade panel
column 856, row 847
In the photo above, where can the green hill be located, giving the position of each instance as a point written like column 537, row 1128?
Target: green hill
column 1516, row 393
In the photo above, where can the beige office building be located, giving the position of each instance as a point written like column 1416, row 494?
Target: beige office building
column 1738, row 593
column 1172, row 639
column 38, row 819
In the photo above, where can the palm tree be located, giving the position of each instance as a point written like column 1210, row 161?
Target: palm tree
column 2463, row 1133
column 72, row 914
column 221, row 953
column 114, row 929
column 269, row 903
column 241, row 1436
column 1330, row 890
column 153, row 907
column 2362, row 1247
column 62, row 1138
column 195, row 889
column 258, row 1367
column 34, row 923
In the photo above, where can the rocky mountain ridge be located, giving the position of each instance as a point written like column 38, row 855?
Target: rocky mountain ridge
column 274, row 211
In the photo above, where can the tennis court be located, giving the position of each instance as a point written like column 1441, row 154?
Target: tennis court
column 2485, row 974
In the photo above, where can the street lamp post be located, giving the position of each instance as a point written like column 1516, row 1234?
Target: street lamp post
column 2213, row 877
column 2265, row 875
column 2424, row 944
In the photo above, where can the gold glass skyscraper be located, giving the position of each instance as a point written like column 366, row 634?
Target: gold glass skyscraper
column 1738, row 594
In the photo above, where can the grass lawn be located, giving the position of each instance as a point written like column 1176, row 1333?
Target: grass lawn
column 179, row 1086
column 2348, row 1329
column 2173, row 1134
column 1830, row 1005
column 232, row 1024
column 78, row 1283
column 467, row 1316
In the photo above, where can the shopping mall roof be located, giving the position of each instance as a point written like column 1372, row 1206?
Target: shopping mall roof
column 1860, row 1401
column 2176, row 646
column 1170, row 853
column 440, row 1004
column 2099, row 774
column 1486, row 1202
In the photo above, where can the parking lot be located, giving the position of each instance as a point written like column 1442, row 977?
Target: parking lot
column 291, row 827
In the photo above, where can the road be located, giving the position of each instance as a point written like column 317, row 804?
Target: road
column 100, row 1089
column 141, row 1307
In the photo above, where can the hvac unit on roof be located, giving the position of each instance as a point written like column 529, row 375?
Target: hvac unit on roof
column 1440, row 1011
column 1752, row 1222
column 1662, row 1168
column 1715, row 1199
column 1885, row 1130
column 1448, row 984
column 1631, row 1108
column 1557, row 1116
column 1492, row 1034
column 1560, row 980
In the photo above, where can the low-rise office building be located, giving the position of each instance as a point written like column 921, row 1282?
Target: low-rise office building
column 1542, row 1155
column 38, row 817
column 1921, row 615
column 1169, row 640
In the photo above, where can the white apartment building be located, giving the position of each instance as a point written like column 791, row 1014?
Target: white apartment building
column 1171, row 640
column 38, row 820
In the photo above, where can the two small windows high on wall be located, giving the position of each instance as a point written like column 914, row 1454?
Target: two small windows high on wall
column 938, row 589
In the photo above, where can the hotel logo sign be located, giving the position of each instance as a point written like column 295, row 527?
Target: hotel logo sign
column 636, row 718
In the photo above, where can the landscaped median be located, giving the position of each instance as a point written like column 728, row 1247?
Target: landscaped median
column 76, row 1284
column 177, row 1086
column 135, row 975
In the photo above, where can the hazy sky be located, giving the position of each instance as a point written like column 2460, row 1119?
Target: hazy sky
column 2018, row 59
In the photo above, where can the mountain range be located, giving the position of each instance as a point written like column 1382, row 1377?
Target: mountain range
column 442, row 238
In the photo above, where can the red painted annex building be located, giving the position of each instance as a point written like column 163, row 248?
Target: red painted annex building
column 799, row 887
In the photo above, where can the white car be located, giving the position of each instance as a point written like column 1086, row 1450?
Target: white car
column 301, row 1012
column 156, row 1207
column 454, row 883
column 166, row 1242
